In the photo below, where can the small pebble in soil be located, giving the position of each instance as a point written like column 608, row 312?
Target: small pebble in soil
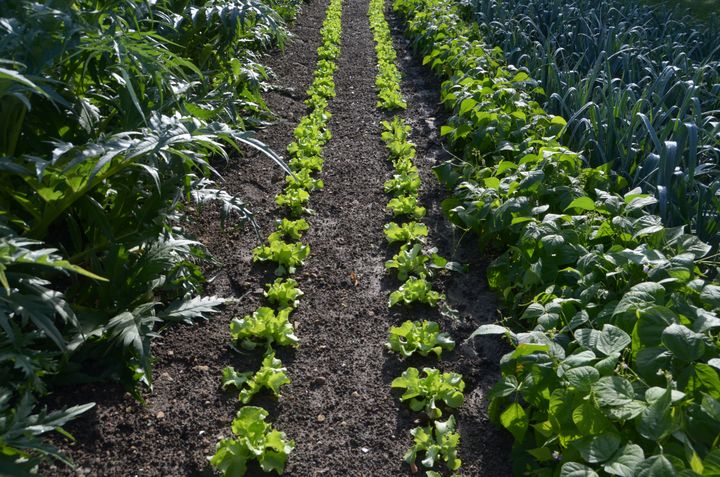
column 160, row 415
column 320, row 418
column 202, row 368
column 365, row 450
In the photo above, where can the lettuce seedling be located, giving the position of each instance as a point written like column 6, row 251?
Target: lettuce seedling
column 303, row 179
column 284, row 293
column 294, row 200
column 255, row 440
column 439, row 442
column 288, row 256
column 403, row 184
column 312, row 162
column 264, row 327
column 406, row 205
column 419, row 337
column 405, row 233
column 429, row 392
column 291, row 229
column 416, row 290
column 408, row 261
column 270, row 376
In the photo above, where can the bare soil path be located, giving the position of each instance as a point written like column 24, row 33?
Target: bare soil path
column 339, row 408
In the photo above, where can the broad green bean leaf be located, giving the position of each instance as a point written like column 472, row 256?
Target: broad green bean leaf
column 581, row 203
column 587, row 338
column 640, row 296
column 612, row 340
column 711, row 295
column 699, row 377
column 607, row 365
column 590, row 420
column 580, row 359
column 711, row 407
column 649, row 360
column 625, row 412
column 613, row 391
column 515, row 420
column 597, row 449
column 625, row 460
column 654, row 393
column 505, row 387
column 655, row 422
column 575, row 469
column 491, row 330
column 683, row 343
column 651, row 323
column 655, row 466
column 582, row 377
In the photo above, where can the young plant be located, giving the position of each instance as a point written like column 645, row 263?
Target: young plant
column 431, row 391
column 405, row 233
column 254, row 439
column 406, row 205
column 409, row 262
column 303, row 179
column 288, row 256
column 419, row 337
column 416, row 290
column 294, row 200
column 284, row 293
column 270, row 376
column 438, row 442
column 291, row 229
column 264, row 327
column 403, row 184
column 312, row 162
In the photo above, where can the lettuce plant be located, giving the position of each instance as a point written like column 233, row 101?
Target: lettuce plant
column 288, row 256
column 438, row 442
column 294, row 200
column 254, row 439
column 409, row 261
column 271, row 375
column 284, row 293
column 419, row 337
column 405, row 233
column 406, row 183
column 416, row 290
column 406, row 205
column 264, row 327
column 291, row 229
column 429, row 392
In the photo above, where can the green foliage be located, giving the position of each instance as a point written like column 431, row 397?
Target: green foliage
column 405, row 233
column 403, row 184
column 616, row 375
column 271, row 375
column 288, row 256
column 291, row 229
column 429, row 392
column 406, row 205
column 416, row 290
column 254, row 440
column 264, row 327
column 294, row 200
column 419, row 337
column 409, row 261
column 438, row 442
column 284, row 293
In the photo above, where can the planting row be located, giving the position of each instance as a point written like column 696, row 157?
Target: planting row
column 109, row 115
column 430, row 390
column 611, row 315
column 268, row 327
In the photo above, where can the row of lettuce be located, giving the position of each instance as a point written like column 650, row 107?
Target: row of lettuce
column 611, row 315
column 110, row 114
column 434, row 446
column 253, row 438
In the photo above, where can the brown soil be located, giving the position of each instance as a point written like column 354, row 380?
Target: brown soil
column 339, row 408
